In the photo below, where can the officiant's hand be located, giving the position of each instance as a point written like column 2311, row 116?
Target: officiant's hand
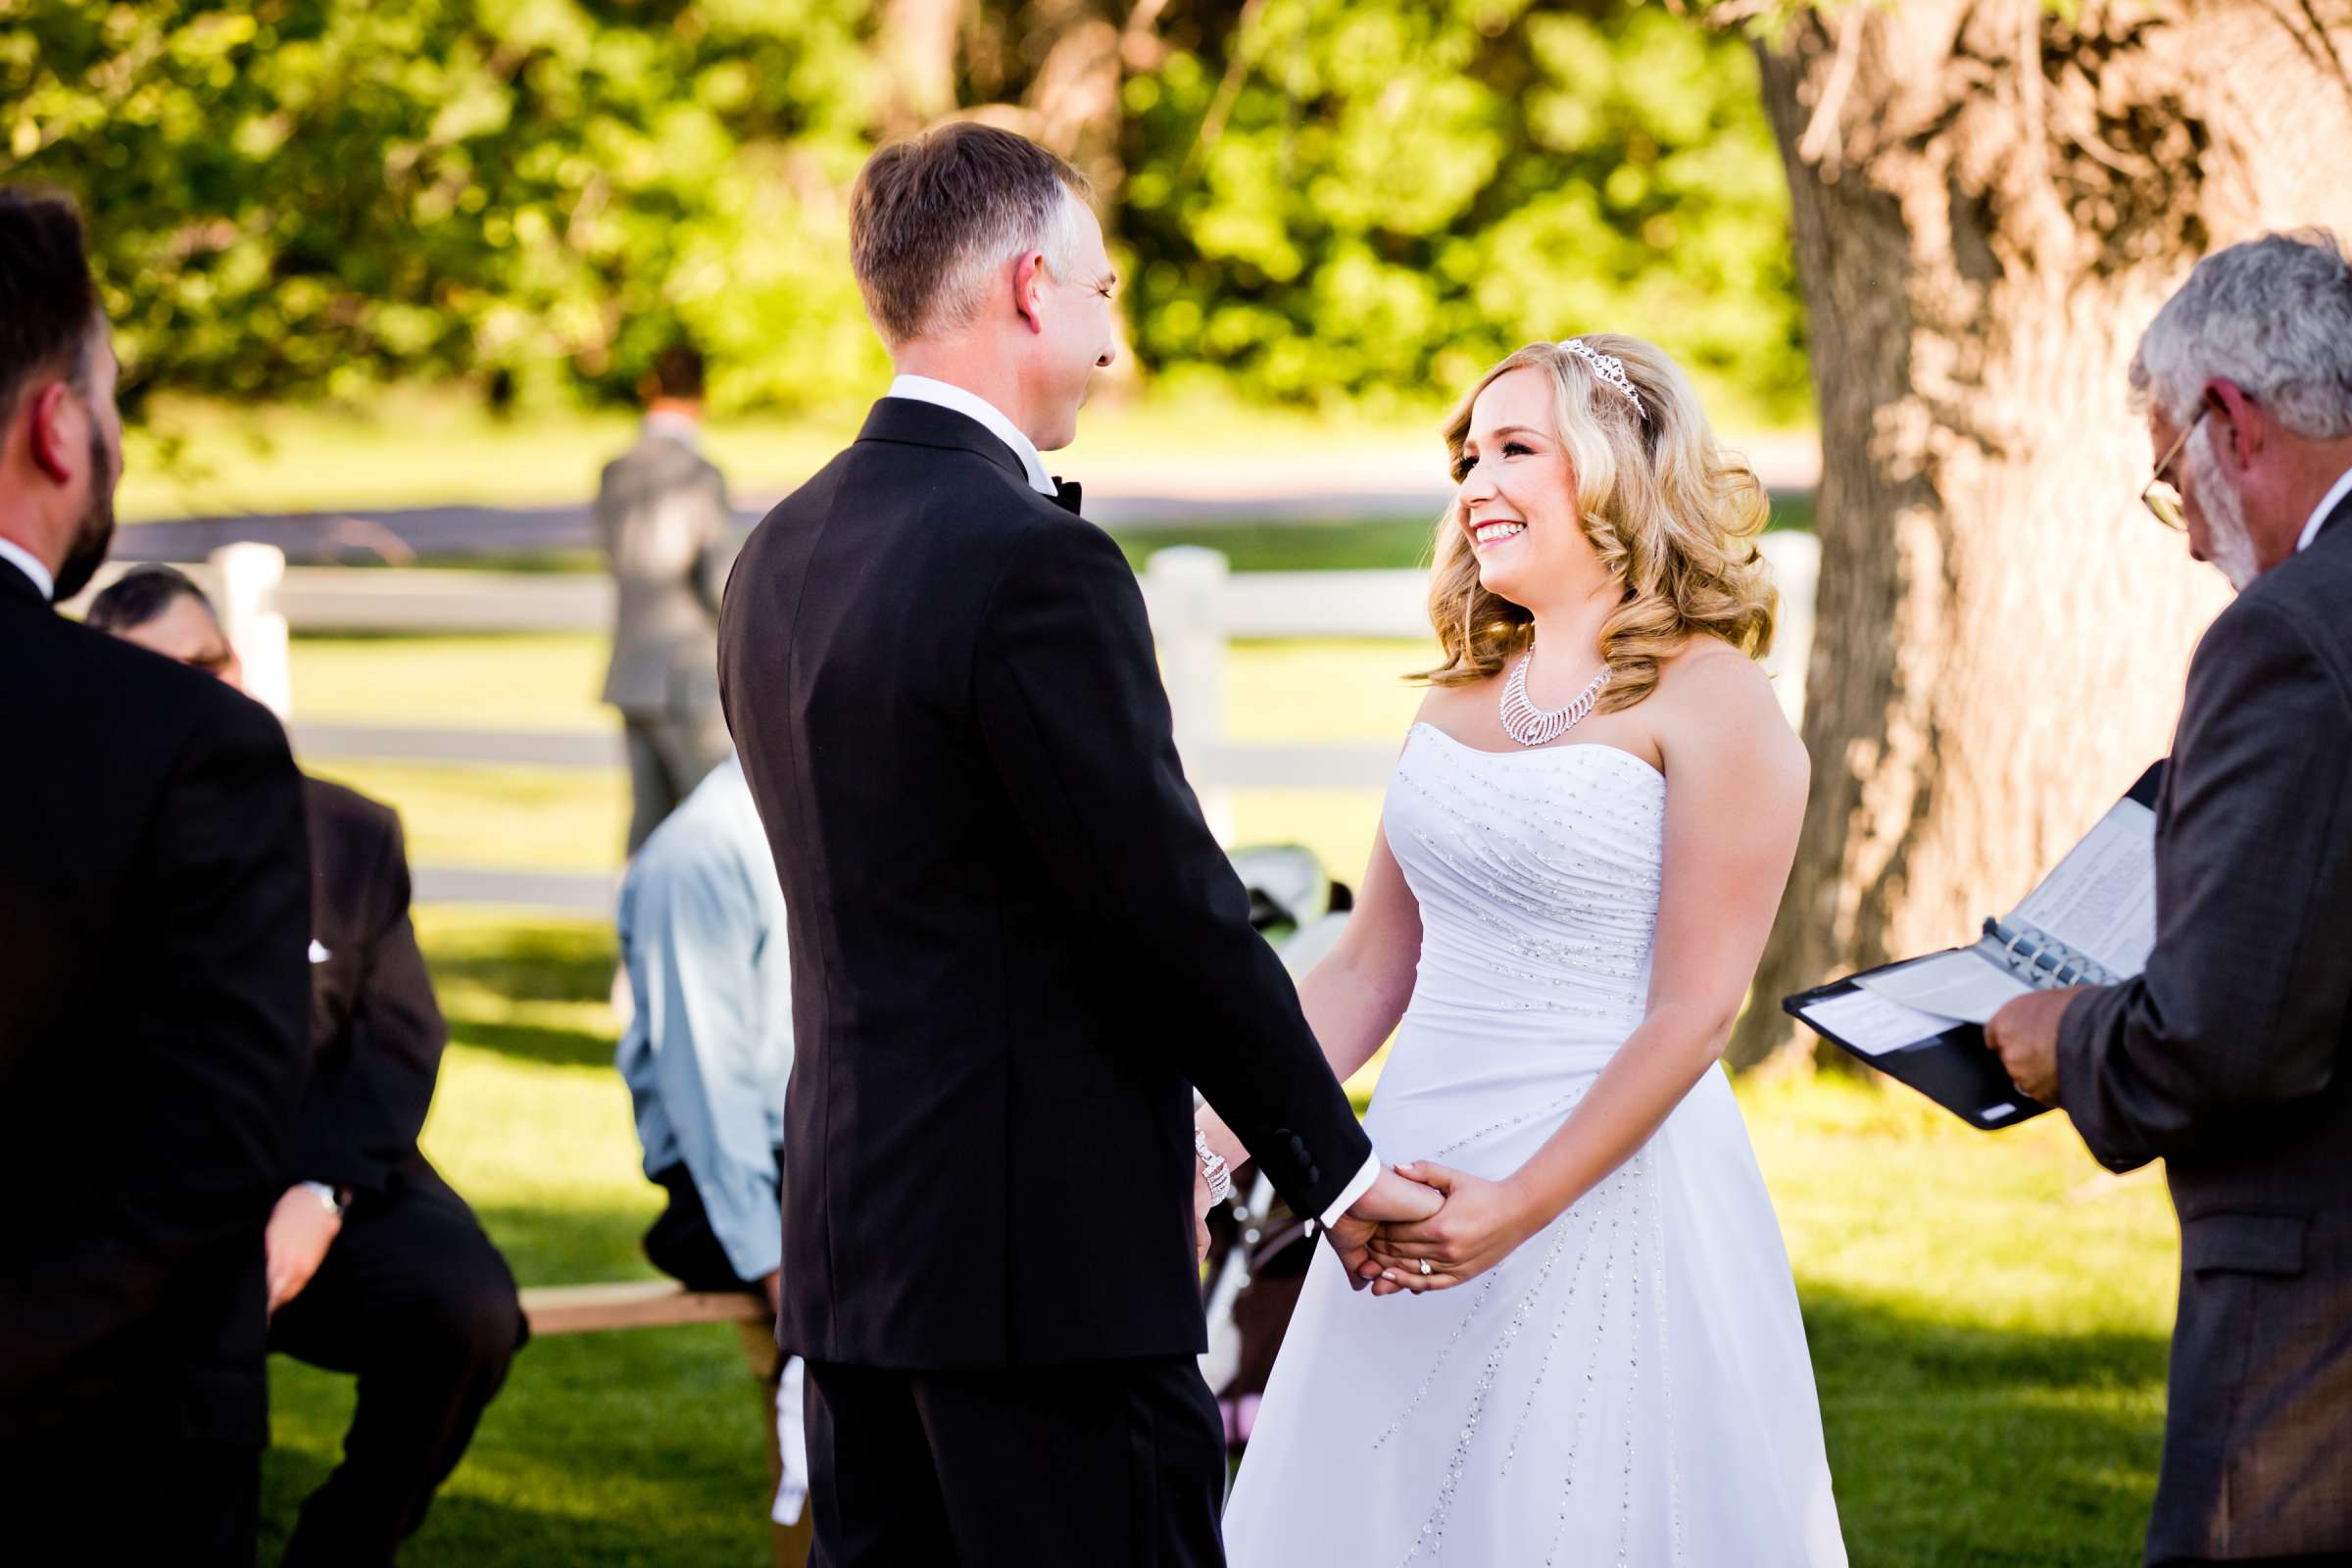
column 1479, row 1226
column 1389, row 1198
column 2024, row 1034
column 1202, row 1203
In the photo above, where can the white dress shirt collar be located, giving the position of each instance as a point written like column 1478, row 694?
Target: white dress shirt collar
column 972, row 406
column 25, row 562
column 2328, row 505
column 684, row 429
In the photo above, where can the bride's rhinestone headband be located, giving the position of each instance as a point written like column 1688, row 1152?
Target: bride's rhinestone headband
column 1609, row 369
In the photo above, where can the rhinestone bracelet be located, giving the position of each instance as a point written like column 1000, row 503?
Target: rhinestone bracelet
column 1212, row 1166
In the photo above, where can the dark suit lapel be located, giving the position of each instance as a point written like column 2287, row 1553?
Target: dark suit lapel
column 912, row 422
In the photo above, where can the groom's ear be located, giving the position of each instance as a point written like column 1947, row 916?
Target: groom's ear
column 1029, row 290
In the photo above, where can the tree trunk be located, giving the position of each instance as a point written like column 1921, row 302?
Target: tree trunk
column 1990, row 202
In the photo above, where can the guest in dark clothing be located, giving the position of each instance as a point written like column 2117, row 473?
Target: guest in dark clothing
column 375, row 1266
column 154, row 907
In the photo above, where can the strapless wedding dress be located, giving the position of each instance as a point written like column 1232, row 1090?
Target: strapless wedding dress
column 1628, row 1388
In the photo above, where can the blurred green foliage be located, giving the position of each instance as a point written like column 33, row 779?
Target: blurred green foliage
column 1318, row 199
column 1403, row 193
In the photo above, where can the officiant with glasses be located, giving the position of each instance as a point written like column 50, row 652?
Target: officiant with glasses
column 2230, row 1056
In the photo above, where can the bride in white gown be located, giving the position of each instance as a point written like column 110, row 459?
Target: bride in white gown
column 1592, row 1355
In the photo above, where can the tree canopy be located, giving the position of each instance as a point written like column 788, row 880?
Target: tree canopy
column 1314, row 199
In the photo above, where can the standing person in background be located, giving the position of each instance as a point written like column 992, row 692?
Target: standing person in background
column 375, row 1266
column 707, row 1054
column 154, row 911
column 662, row 515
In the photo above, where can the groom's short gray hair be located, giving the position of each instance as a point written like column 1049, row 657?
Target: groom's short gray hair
column 2272, row 315
column 933, row 217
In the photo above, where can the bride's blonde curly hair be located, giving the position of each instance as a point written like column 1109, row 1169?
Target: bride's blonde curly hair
column 1673, row 516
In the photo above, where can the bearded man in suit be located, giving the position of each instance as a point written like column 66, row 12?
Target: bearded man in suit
column 154, row 911
column 2230, row 1057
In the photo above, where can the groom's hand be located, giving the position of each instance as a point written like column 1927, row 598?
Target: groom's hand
column 1390, row 1200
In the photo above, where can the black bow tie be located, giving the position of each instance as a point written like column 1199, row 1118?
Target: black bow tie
column 1066, row 493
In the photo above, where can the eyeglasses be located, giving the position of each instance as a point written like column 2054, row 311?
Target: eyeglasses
column 2162, row 496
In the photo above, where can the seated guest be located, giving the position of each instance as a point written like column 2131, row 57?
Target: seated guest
column 2230, row 1056
column 375, row 1266
column 707, row 1053
column 154, row 907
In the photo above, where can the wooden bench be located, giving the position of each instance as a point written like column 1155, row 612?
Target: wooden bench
column 665, row 1303
column 634, row 1304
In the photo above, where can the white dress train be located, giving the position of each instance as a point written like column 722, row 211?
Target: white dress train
column 1628, row 1388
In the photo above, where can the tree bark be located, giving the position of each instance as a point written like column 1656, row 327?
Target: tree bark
column 1990, row 202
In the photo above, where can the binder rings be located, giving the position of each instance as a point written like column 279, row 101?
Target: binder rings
column 2090, row 921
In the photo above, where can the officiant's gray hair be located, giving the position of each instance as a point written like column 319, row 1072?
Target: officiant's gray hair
column 2272, row 315
column 935, row 216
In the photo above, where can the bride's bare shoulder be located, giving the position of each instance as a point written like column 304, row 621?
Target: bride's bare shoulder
column 1710, row 693
column 1457, row 709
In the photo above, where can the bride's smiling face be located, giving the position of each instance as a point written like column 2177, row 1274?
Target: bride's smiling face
column 1518, row 495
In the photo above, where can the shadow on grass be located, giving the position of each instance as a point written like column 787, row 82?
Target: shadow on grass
column 537, row 962
column 1952, row 1444
column 556, row 1045
column 602, row 1450
column 1955, row 1446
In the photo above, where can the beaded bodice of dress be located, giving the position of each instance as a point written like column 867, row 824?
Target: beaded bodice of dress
column 1537, row 874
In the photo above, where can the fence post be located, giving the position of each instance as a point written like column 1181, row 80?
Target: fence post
column 1795, row 559
column 1184, row 584
column 249, row 576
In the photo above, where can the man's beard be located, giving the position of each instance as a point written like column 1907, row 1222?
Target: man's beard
column 97, row 531
column 2227, row 541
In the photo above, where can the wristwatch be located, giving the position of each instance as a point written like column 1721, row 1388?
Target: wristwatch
column 334, row 1200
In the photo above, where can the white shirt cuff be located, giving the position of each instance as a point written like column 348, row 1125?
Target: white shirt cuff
column 1356, row 1189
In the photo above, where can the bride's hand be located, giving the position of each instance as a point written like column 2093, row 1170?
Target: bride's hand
column 1479, row 1224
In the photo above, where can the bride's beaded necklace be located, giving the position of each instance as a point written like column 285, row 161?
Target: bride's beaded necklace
column 1530, row 726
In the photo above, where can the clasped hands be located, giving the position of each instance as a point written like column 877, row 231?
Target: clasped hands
column 1425, row 1213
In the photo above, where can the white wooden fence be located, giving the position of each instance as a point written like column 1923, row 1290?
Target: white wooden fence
column 1197, row 604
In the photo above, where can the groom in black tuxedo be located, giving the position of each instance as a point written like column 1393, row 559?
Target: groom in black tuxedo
column 1015, row 946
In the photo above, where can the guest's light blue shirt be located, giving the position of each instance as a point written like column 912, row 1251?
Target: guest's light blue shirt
column 709, row 1047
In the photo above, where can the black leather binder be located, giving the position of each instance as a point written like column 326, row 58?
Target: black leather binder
column 1952, row 1064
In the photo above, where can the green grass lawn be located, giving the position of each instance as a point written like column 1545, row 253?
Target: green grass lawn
column 1987, row 1313
column 421, row 446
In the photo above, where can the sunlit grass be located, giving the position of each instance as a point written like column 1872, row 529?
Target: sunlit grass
column 423, row 446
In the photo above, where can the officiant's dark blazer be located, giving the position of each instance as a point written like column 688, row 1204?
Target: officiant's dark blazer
column 2231, row 1060
column 1015, row 945
column 155, row 908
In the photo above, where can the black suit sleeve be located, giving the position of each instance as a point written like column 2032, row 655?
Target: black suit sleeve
column 213, row 1062
column 1078, row 725
column 367, row 1103
column 2241, row 1006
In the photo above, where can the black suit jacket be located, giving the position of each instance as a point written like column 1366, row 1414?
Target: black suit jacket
column 154, row 908
column 2231, row 1060
column 1015, row 946
column 375, row 1032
